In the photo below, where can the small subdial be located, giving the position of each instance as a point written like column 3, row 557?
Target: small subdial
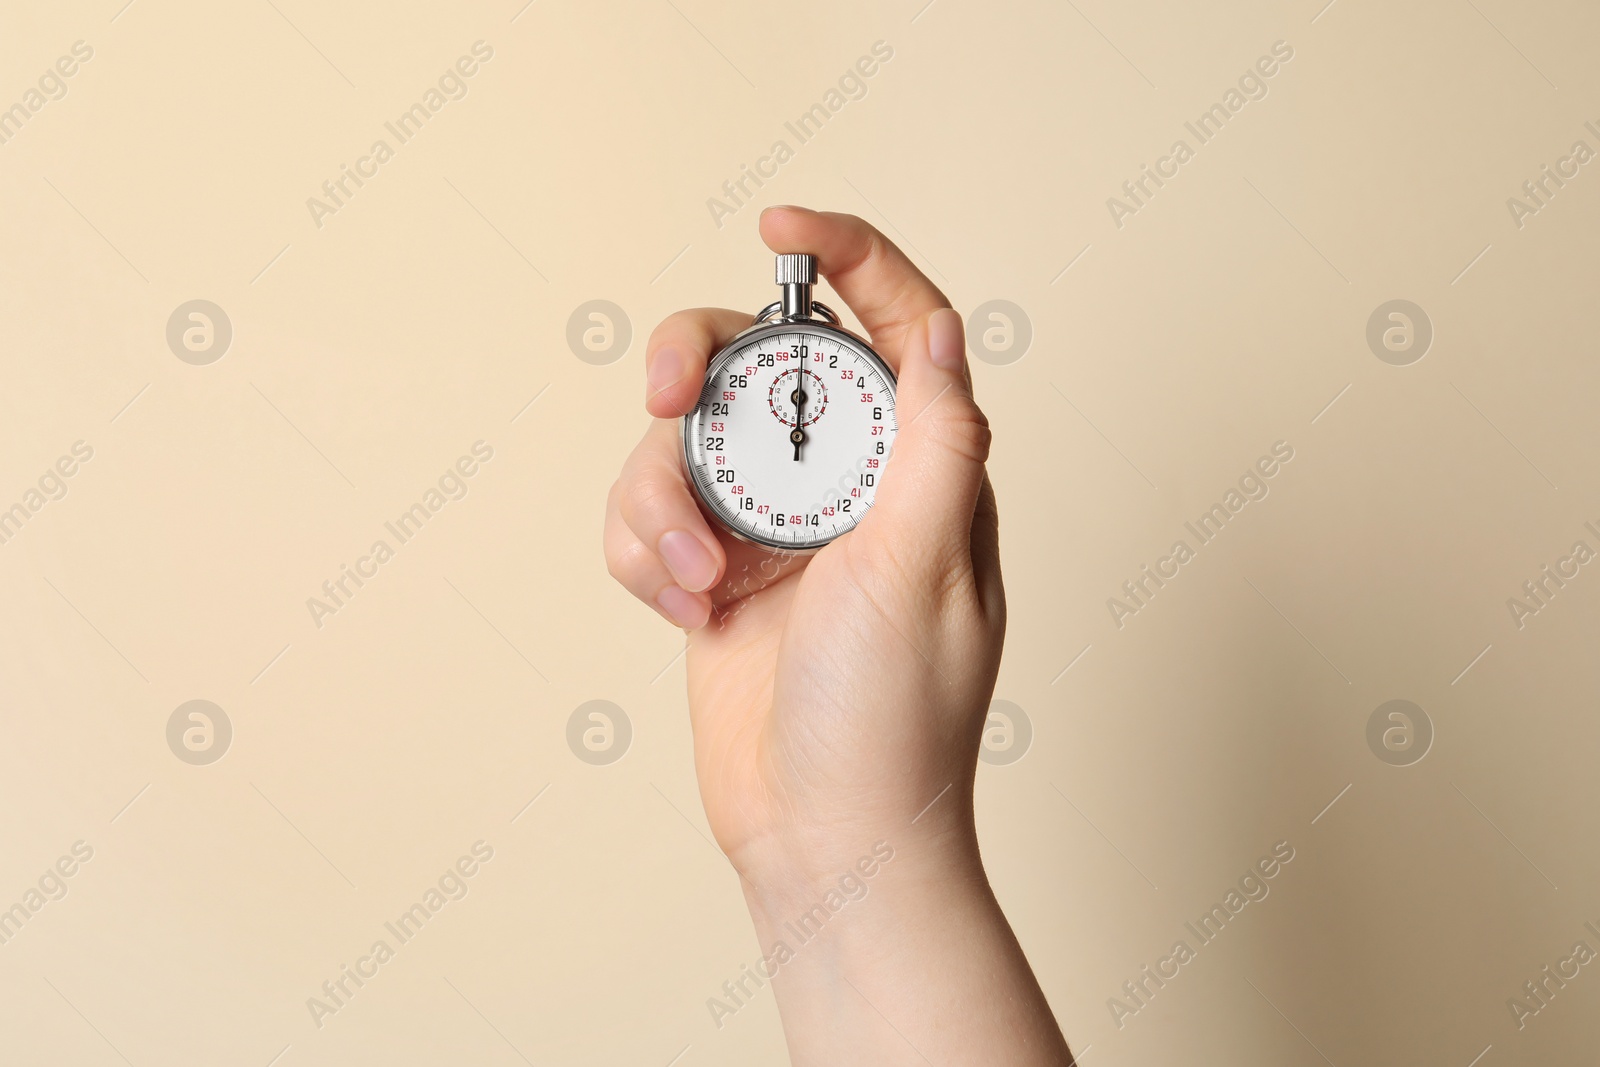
column 784, row 397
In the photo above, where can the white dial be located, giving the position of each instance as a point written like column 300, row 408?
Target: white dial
column 792, row 433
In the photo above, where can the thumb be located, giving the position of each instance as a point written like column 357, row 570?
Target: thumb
column 935, row 472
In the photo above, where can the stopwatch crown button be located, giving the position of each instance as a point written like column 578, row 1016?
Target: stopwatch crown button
column 797, row 268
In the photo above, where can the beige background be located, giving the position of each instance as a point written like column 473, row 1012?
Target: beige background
column 369, row 353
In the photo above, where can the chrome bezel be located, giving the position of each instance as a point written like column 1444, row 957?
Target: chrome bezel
column 763, row 328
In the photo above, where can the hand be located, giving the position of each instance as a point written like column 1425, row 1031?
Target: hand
column 803, row 759
column 838, row 700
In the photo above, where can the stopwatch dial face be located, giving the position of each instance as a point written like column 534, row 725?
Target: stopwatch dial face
column 791, row 436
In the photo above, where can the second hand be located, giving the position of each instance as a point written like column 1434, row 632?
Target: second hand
column 798, row 436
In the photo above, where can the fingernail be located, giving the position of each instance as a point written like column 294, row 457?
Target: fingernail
column 944, row 339
column 666, row 367
column 688, row 560
column 779, row 207
column 683, row 608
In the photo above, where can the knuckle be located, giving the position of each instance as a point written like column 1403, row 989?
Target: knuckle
column 648, row 493
column 948, row 581
column 673, row 323
column 692, row 327
column 964, row 429
column 626, row 564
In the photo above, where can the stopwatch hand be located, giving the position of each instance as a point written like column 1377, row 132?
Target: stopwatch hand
column 799, row 416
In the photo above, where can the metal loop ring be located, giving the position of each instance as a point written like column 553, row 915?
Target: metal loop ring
column 772, row 312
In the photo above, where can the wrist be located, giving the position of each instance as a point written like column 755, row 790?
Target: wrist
column 868, row 933
column 787, row 875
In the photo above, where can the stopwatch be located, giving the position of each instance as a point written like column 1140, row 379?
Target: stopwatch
column 789, row 440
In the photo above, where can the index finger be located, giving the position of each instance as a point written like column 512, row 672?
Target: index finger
column 884, row 288
column 675, row 359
